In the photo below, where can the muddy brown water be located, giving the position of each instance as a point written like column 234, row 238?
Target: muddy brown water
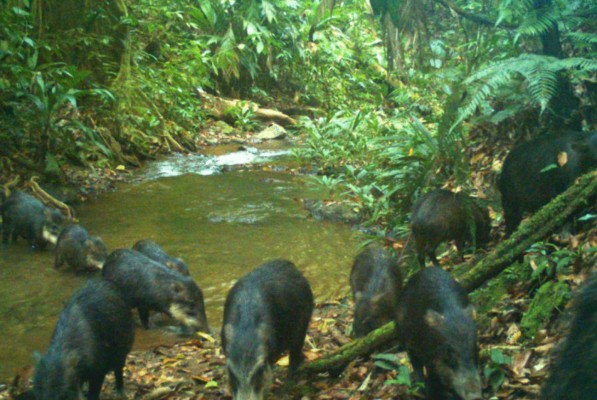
column 223, row 224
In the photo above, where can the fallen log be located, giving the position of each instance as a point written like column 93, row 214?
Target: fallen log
column 218, row 106
column 362, row 347
column 545, row 221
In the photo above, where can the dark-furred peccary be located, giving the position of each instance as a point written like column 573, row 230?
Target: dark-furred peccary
column 442, row 215
column 375, row 281
column 435, row 324
column 152, row 250
column 25, row 216
column 149, row 285
column 266, row 313
column 572, row 374
column 537, row 171
column 93, row 336
column 79, row 250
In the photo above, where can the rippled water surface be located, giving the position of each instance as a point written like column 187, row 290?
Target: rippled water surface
column 222, row 222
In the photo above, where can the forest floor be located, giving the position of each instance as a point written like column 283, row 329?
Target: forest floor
column 194, row 368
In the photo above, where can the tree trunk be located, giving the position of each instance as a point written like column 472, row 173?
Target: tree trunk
column 563, row 105
column 540, row 225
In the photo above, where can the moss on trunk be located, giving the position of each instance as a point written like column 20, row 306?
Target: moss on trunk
column 336, row 361
column 550, row 296
column 538, row 227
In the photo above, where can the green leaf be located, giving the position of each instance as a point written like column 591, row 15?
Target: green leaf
column 212, row 385
column 549, row 167
column 268, row 10
column 251, row 28
column 499, row 358
column 588, row 217
column 387, row 361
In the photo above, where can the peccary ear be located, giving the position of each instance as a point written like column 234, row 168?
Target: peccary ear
column 96, row 239
column 434, row 319
column 470, row 310
column 170, row 265
column 37, row 356
column 228, row 332
column 71, row 361
column 377, row 298
column 358, row 296
column 377, row 301
column 265, row 336
column 399, row 315
column 178, row 287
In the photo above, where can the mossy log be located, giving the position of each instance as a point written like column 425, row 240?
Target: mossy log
column 544, row 222
column 337, row 360
column 540, row 225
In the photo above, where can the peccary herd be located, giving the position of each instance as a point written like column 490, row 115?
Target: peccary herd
column 267, row 311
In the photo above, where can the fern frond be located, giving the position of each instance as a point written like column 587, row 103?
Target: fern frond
column 540, row 72
column 499, row 77
column 538, row 22
column 582, row 37
column 580, row 63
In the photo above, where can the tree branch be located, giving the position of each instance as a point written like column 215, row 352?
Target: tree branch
column 477, row 18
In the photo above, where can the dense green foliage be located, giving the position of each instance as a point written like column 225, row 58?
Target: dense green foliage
column 399, row 93
column 502, row 67
column 395, row 87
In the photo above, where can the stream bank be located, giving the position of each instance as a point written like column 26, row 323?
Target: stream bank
column 224, row 212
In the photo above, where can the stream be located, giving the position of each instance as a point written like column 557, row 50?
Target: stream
column 221, row 217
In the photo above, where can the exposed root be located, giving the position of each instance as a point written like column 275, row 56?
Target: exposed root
column 48, row 199
column 10, row 184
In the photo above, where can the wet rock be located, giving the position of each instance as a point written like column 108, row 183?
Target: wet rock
column 248, row 149
column 337, row 212
column 222, row 128
column 274, row 131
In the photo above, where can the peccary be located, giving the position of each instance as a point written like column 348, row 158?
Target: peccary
column 442, row 215
column 537, row 171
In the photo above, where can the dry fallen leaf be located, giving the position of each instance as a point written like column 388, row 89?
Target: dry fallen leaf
column 513, row 334
column 519, row 362
column 562, row 158
column 284, row 361
column 206, row 336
